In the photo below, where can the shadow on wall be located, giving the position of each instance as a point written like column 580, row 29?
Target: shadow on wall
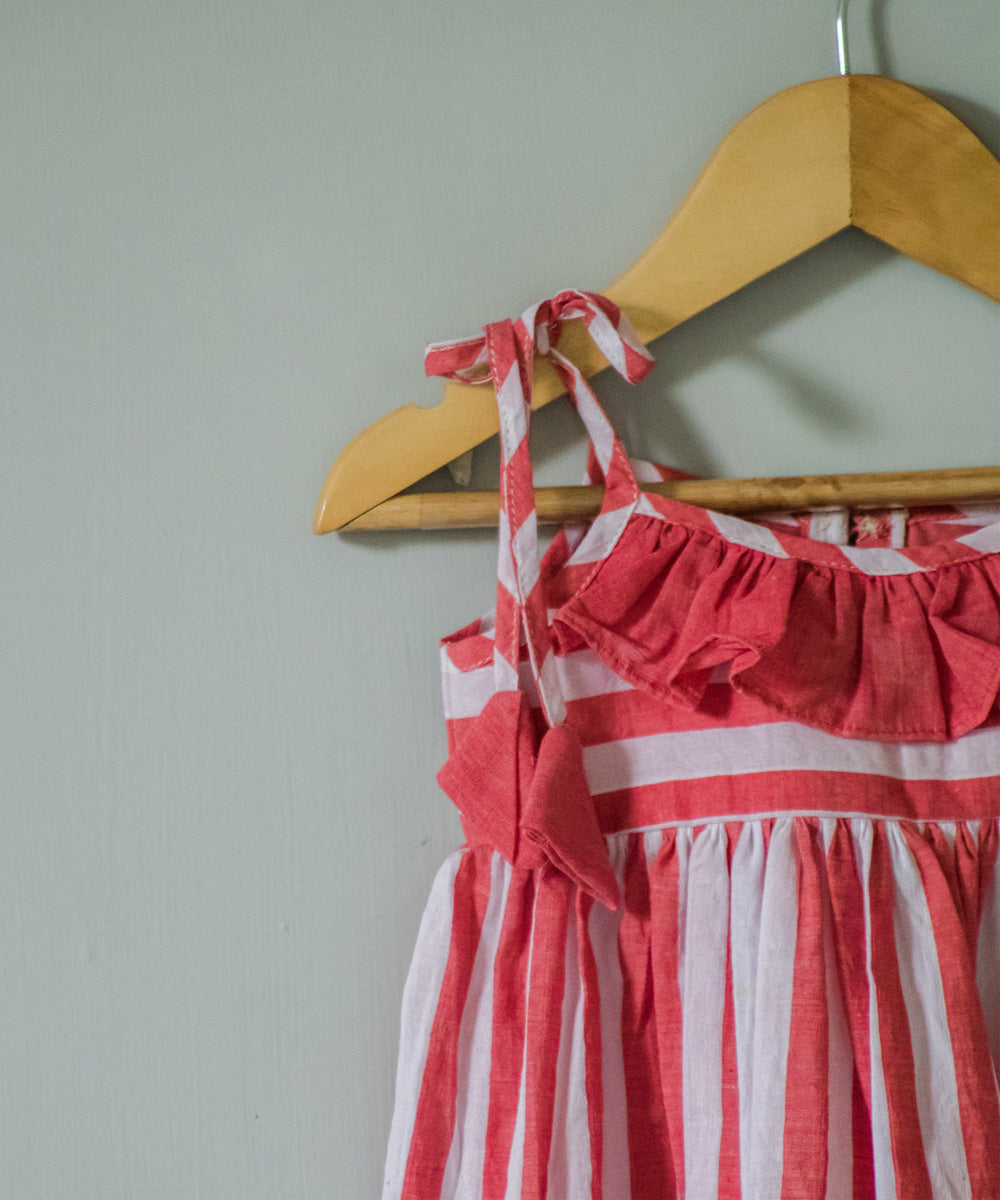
column 736, row 329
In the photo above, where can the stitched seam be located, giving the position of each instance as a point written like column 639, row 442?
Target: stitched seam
column 598, row 638
column 717, row 535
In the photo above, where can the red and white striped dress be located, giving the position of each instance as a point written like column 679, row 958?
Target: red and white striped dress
column 727, row 923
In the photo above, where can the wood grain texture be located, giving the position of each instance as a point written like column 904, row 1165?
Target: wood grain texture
column 559, row 505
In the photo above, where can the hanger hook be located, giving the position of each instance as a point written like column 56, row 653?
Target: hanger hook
column 845, row 67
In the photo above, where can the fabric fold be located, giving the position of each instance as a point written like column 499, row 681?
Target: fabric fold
column 904, row 657
column 529, row 799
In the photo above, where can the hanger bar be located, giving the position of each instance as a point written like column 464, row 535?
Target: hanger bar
column 564, row 505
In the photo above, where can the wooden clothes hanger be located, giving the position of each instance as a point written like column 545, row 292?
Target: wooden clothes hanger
column 853, row 150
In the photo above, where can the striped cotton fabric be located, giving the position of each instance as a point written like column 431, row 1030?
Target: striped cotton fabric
column 772, row 968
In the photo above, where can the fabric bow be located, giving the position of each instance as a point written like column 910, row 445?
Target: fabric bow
column 539, row 329
column 529, row 800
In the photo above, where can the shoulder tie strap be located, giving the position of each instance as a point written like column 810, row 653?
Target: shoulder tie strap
column 503, row 354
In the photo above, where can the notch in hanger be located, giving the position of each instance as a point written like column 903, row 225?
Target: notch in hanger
column 861, row 151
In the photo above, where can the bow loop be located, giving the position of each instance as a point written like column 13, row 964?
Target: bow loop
column 546, row 336
column 540, row 327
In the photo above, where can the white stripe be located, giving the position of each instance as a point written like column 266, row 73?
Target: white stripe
column 420, row 1001
column 869, row 560
column 466, row 693
column 780, row 518
column 702, row 1004
column 505, row 674
column 627, row 333
column 968, row 514
column 744, row 533
column 874, row 560
column 840, row 1134
column 607, row 339
column 513, row 411
column 927, row 1016
column 548, row 682
column 885, row 1174
column 898, row 527
column 682, row 848
column 745, row 905
column 602, row 535
column 601, row 435
column 569, row 1157
column 462, row 341
column 988, row 965
column 463, row 1172
column 644, row 471
column 515, row 1164
column 505, row 564
column 644, row 507
column 773, row 997
column 651, row 843
column 758, row 816
column 830, row 525
column 525, row 549
column 782, row 746
column 603, row 926
column 986, row 539
column 583, row 675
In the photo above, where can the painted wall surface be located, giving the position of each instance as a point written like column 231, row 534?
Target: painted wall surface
column 228, row 229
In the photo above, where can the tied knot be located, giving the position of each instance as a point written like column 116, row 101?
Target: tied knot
column 538, row 331
column 545, row 321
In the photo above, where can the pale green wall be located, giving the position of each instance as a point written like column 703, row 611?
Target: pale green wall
column 227, row 230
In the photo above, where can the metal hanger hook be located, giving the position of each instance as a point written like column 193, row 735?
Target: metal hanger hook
column 845, row 67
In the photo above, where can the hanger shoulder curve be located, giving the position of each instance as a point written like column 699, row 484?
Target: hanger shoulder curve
column 924, row 183
column 410, row 442
column 811, row 160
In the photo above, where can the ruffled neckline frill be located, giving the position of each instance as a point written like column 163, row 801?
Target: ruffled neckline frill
column 892, row 645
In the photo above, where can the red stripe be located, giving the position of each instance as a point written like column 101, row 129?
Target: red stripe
column 452, row 357
column 469, row 647
column 863, row 1185
column 966, row 857
column 510, row 989
column 730, row 1184
column 912, row 1179
column 434, row 1124
column 807, row 1089
column 546, row 984
column 665, row 932
column 508, row 626
column 609, row 716
column 518, row 478
column 946, row 853
column 847, row 911
column 796, row 792
column 593, row 1063
column 649, row 1150
column 989, row 843
column 501, row 348
column 978, row 1103
column 968, row 866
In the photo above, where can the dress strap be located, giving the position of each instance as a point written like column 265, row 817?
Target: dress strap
column 503, row 354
